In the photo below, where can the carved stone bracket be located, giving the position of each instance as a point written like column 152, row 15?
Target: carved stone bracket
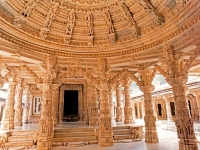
column 170, row 4
column 90, row 40
column 153, row 13
column 67, row 39
column 44, row 32
column 19, row 21
column 157, row 17
column 29, row 6
column 129, row 18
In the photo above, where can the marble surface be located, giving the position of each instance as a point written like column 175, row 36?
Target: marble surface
column 167, row 139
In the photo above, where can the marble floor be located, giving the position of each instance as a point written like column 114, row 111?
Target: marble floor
column 167, row 139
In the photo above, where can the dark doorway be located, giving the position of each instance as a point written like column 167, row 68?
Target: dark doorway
column 70, row 112
column 189, row 104
column 159, row 110
column 172, row 108
column 136, row 115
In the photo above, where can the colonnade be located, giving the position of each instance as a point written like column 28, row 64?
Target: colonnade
column 146, row 109
column 132, row 109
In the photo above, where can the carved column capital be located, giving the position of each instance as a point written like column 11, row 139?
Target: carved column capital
column 146, row 77
column 126, row 82
column 45, row 86
column 147, row 88
column 118, row 85
column 176, row 80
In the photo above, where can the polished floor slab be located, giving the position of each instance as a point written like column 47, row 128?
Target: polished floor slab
column 167, row 139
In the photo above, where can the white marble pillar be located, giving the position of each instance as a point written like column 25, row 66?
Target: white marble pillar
column 45, row 133
column 168, row 109
column 105, row 128
column 55, row 96
column 128, row 110
column 27, row 104
column 31, row 105
column 145, row 84
column 183, row 121
column 8, row 113
column 88, row 112
column 133, row 106
column 138, row 110
column 111, row 106
column 143, row 109
column 119, row 112
column 151, row 135
column 197, row 94
column 93, row 119
column 18, row 105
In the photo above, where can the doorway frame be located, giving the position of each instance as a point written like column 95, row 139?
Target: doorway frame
column 76, row 87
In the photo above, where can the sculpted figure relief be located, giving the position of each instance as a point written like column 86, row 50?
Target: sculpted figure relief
column 127, row 15
column 70, row 22
column 107, row 18
column 89, row 23
column 30, row 5
column 145, row 4
column 158, row 18
column 51, row 14
column 129, row 18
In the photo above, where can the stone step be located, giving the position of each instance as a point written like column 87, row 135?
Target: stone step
column 73, row 130
column 23, row 132
column 74, row 139
column 20, row 143
column 121, row 127
column 74, row 134
column 122, row 131
column 21, row 138
column 124, row 136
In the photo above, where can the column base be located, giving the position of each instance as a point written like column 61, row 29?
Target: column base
column 18, row 124
column 105, row 141
column 119, row 119
column 151, row 137
column 7, row 125
column 44, row 143
column 93, row 122
column 26, row 122
column 129, row 121
column 55, row 124
column 188, row 144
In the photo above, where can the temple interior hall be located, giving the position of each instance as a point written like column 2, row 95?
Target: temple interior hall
column 100, row 74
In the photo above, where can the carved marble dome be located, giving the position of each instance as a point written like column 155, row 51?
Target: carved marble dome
column 99, row 46
column 126, row 32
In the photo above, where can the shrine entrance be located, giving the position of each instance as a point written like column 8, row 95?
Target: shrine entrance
column 70, row 111
column 71, row 102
